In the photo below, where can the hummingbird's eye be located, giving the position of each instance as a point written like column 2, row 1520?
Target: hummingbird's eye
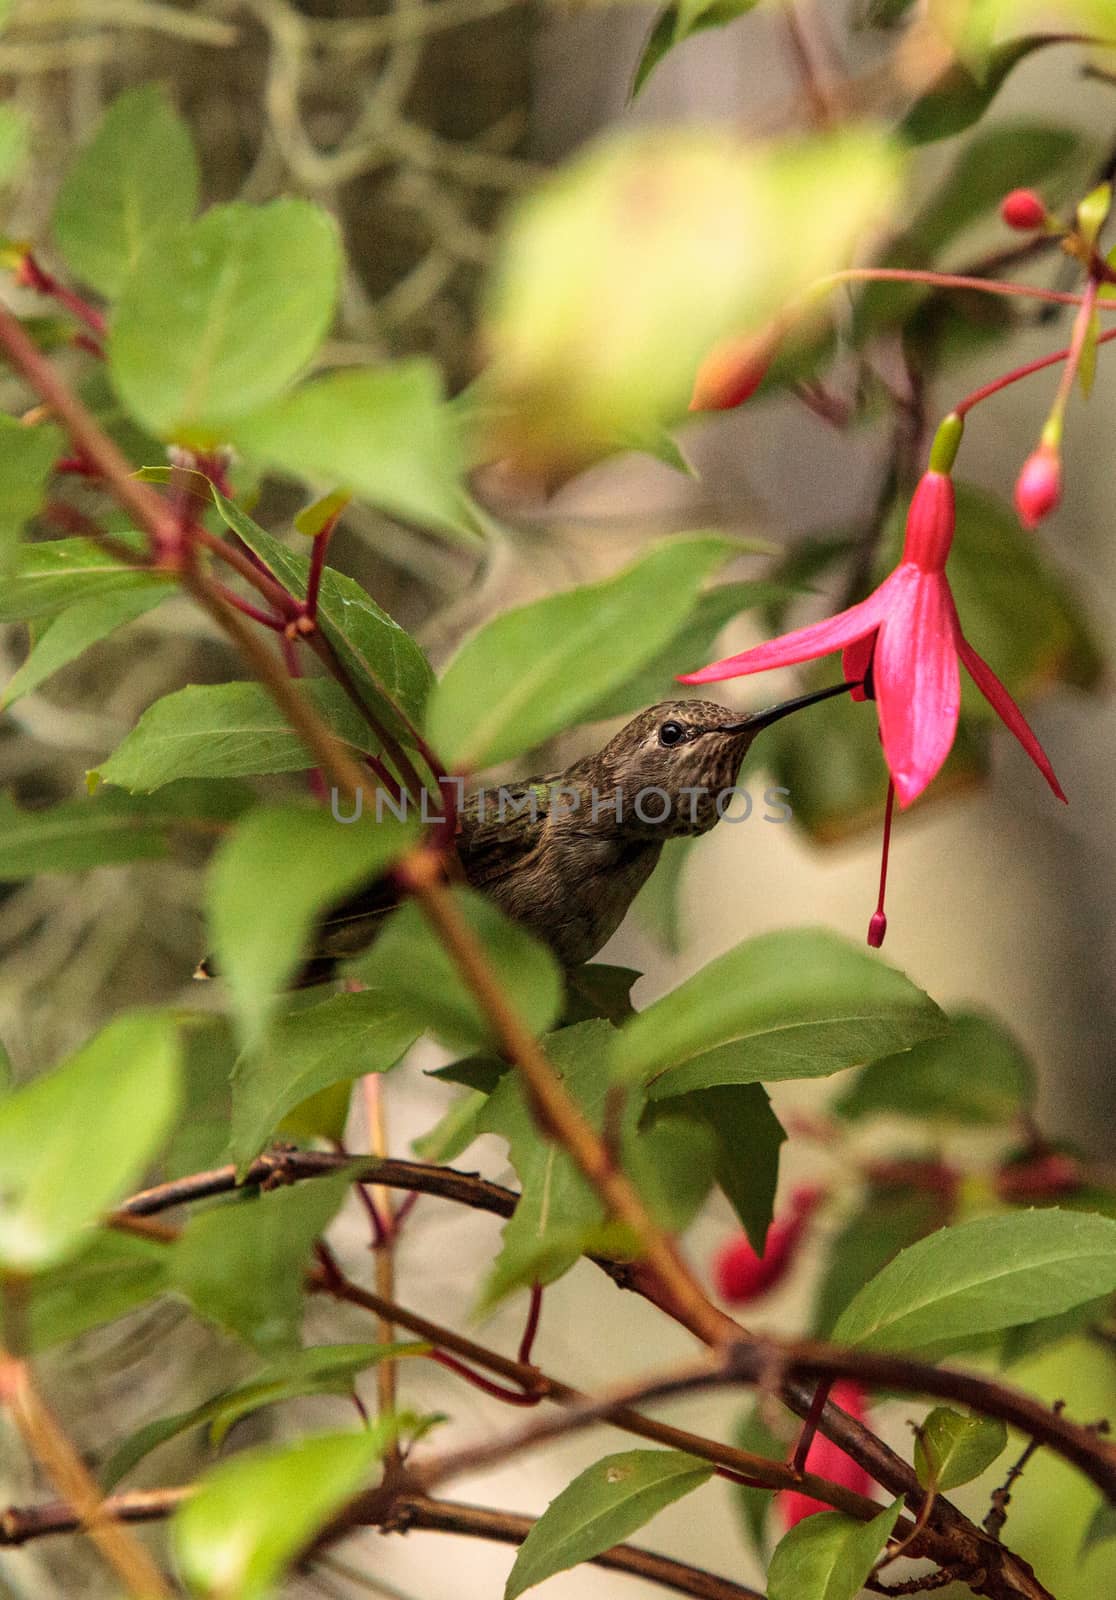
column 672, row 733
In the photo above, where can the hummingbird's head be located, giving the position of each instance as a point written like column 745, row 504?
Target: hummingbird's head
column 689, row 750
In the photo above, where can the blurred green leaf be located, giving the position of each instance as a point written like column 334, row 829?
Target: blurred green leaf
column 109, row 828
column 677, row 22
column 891, row 1217
column 386, row 664
column 1011, row 155
column 322, row 1369
column 218, row 730
column 252, row 1516
column 600, row 1508
column 222, row 315
column 1101, row 1529
column 658, row 905
column 828, row 1556
column 532, row 671
column 748, row 1138
column 241, row 1263
column 691, row 646
column 15, row 141
column 385, row 433
column 340, row 1039
column 117, row 1097
column 965, row 90
column 67, row 635
column 795, row 1004
column 952, row 1449
column 981, row 1276
column 454, row 1132
column 753, row 1434
column 596, row 989
column 135, row 181
column 975, row 1073
column 619, row 273
column 54, row 574
column 410, row 965
column 116, row 1274
column 267, row 883
column 27, row 457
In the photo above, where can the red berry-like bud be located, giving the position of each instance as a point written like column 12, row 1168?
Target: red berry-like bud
column 732, row 372
column 828, row 1460
column 742, row 1276
column 1023, row 209
column 1038, row 487
column 1049, row 1175
column 877, row 928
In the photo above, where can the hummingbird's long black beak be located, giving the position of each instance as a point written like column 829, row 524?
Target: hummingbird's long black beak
column 764, row 719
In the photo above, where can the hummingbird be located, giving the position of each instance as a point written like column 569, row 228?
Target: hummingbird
column 564, row 855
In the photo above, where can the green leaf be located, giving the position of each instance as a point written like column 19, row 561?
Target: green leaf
column 15, row 142
column 963, row 92
column 341, row 1039
column 1102, row 1527
column 241, row 1264
column 1011, row 155
column 454, row 1132
column 748, row 1138
column 891, row 1217
column 982, row 1276
column 55, row 574
column 753, row 1434
column 534, row 670
column 116, row 1274
column 385, row 433
column 134, row 182
column 975, row 1073
column 690, row 647
column 322, row 1369
column 600, row 1508
column 27, row 456
column 221, row 315
column 225, row 730
column 267, row 883
column 1087, row 366
column 117, row 1097
column 73, row 630
column 254, row 1514
column 107, row 829
column 678, row 22
column 828, row 1556
column 386, row 664
column 596, row 989
column 794, row 1004
column 952, row 1449
column 410, row 964
column 620, row 272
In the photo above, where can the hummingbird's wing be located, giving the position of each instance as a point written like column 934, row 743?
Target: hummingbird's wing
column 500, row 831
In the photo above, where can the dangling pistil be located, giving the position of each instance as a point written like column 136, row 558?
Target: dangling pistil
column 877, row 927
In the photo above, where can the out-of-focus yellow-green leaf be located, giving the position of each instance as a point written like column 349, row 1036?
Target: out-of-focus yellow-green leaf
column 619, row 274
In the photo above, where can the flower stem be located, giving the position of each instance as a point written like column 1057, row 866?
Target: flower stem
column 986, row 390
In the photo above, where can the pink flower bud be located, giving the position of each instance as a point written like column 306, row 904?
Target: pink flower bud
column 828, row 1460
column 1023, row 209
column 1038, row 487
column 877, row 928
column 732, row 372
column 1046, row 1175
column 742, row 1276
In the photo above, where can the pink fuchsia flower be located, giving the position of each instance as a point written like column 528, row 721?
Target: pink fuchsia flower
column 743, row 1276
column 906, row 641
column 828, row 1460
column 1038, row 487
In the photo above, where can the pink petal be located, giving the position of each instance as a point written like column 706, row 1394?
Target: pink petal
column 804, row 644
column 918, row 685
column 855, row 660
column 1005, row 707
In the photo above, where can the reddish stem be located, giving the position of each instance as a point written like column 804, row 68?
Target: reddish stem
column 249, row 610
column 953, row 280
column 988, row 389
column 30, row 275
column 317, row 566
column 534, row 1312
column 511, row 1397
column 810, row 1425
column 274, row 593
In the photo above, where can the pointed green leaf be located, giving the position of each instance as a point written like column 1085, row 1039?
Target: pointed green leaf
column 963, row 93
column 323, row 1369
column 72, row 631
column 975, row 1073
column 254, row 1514
column 982, row 1276
column 383, row 433
column 796, row 1004
column 222, row 315
column 241, row 1264
column 117, row 1097
column 268, row 882
column 341, row 1039
column 410, row 964
column 891, row 1217
column 1101, row 1528
column 135, row 180
column 600, row 1508
column 678, row 22
column 533, row 671
column 748, row 1138
column 56, row 573
column 952, row 1449
column 226, row 730
column 27, row 456
column 828, row 1556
